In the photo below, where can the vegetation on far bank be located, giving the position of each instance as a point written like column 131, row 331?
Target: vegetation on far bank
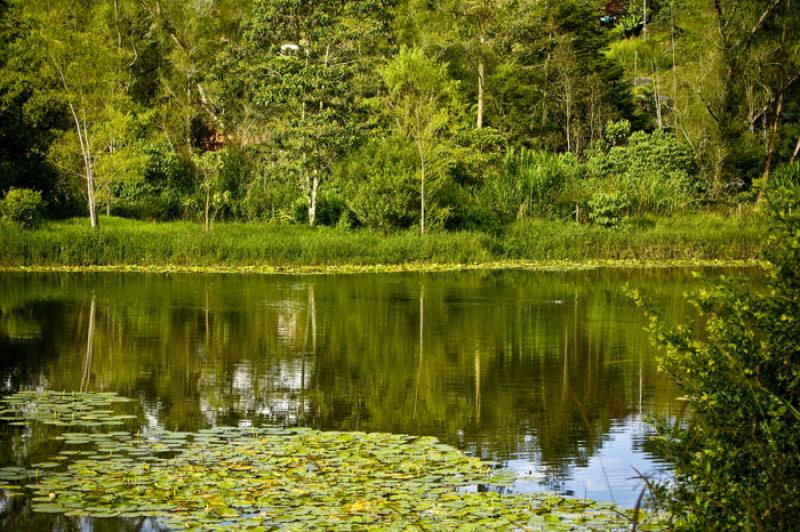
column 395, row 115
column 70, row 243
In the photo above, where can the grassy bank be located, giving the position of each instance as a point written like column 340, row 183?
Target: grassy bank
column 260, row 247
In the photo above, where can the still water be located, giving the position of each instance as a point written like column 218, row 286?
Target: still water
column 550, row 374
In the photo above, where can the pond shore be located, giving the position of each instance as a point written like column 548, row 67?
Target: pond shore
column 696, row 239
column 391, row 268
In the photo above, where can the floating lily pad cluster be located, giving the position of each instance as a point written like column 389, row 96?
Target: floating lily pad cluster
column 63, row 409
column 291, row 479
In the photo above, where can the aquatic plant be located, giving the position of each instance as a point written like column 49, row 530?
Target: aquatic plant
column 286, row 478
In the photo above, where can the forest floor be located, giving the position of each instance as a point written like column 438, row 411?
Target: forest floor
column 695, row 239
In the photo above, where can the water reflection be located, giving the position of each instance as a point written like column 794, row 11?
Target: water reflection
column 550, row 373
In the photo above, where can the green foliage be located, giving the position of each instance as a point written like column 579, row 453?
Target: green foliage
column 607, row 209
column 725, row 236
column 379, row 182
column 737, row 463
column 23, row 207
column 420, row 102
column 617, row 132
column 699, row 236
column 654, row 171
column 529, row 183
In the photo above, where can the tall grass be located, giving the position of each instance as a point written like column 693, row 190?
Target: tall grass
column 235, row 244
column 688, row 236
column 127, row 242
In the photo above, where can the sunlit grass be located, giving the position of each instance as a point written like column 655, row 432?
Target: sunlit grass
column 701, row 236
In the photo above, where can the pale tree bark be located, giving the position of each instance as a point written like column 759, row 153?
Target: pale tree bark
column 82, row 129
column 422, row 193
column 796, row 152
column 313, row 192
column 207, row 211
column 481, row 83
column 88, row 164
column 657, row 94
column 421, row 151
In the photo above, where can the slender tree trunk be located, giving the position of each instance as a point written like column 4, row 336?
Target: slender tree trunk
column 94, row 220
column 796, row 152
column 312, row 199
column 208, row 209
column 422, row 193
column 657, row 93
column 86, row 154
column 569, row 122
column 773, row 138
column 644, row 18
column 481, row 82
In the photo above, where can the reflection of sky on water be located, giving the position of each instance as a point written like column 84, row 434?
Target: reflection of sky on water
column 610, row 474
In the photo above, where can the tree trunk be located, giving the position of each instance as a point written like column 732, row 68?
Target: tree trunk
column 208, row 209
column 312, row 200
column 796, row 153
column 657, row 94
column 481, row 81
column 94, row 221
column 422, row 194
column 773, row 138
column 88, row 164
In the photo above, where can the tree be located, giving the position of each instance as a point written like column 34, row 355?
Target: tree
column 303, row 61
column 418, row 93
column 758, row 39
column 737, row 463
column 69, row 56
column 209, row 167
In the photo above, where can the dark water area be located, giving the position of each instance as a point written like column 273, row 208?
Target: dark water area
column 550, row 374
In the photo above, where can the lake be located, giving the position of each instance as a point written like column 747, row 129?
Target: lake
column 550, row 374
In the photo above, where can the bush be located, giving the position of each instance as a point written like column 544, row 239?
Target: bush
column 654, row 170
column 23, row 207
column 737, row 462
column 607, row 209
column 381, row 184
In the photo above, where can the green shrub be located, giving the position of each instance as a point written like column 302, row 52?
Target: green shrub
column 737, row 460
column 617, row 132
column 607, row 209
column 381, row 184
column 23, row 207
column 654, row 170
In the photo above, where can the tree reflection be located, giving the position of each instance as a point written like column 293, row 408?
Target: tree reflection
column 505, row 363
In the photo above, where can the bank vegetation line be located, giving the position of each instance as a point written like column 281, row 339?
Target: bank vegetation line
column 414, row 267
column 127, row 245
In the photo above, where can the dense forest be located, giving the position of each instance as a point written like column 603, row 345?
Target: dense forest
column 395, row 114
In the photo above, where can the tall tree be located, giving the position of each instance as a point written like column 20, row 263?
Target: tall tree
column 69, row 55
column 418, row 96
column 303, row 61
column 751, row 37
